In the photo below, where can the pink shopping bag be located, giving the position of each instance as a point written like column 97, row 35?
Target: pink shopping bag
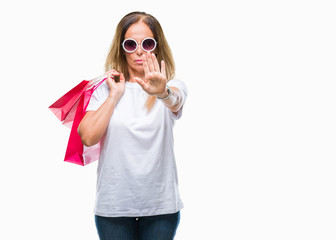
column 76, row 152
column 65, row 107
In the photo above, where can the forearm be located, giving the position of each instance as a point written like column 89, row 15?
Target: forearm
column 175, row 101
column 94, row 124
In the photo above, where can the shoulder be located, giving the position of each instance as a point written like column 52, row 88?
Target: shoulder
column 102, row 88
column 101, row 92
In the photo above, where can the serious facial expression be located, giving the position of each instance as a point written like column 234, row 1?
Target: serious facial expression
column 137, row 31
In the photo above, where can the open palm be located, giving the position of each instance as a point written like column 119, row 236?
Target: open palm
column 155, row 80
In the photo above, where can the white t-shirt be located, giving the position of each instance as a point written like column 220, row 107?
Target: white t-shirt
column 137, row 173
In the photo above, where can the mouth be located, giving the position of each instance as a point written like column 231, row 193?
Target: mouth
column 139, row 61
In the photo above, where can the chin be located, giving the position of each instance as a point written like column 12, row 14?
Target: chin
column 138, row 69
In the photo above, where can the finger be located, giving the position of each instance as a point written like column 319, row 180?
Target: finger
column 163, row 68
column 109, row 80
column 122, row 77
column 111, row 71
column 145, row 64
column 114, row 75
column 144, row 85
column 109, row 76
column 150, row 62
column 156, row 63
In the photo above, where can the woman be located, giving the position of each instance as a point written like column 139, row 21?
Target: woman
column 132, row 115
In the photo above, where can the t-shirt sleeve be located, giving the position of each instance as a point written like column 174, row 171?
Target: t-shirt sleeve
column 184, row 92
column 98, row 97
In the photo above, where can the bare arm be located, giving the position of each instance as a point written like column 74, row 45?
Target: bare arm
column 94, row 124
column 174, row 102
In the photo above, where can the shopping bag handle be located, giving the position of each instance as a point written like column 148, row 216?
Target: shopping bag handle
column 96, row 82
column 97, row 85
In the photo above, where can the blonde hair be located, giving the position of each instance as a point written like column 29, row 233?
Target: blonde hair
column 116, row 58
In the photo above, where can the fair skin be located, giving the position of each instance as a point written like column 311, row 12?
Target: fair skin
column 145, row 70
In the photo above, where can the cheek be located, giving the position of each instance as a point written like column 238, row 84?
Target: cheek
column 128, row 58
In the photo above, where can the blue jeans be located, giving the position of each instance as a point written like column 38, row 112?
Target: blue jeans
column 160, row 227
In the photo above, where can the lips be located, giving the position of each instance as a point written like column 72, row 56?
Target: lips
column 138, row 61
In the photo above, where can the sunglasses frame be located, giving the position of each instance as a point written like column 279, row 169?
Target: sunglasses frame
column 137, row 45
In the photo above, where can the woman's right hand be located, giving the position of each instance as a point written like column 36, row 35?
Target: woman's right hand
column 94, row 123
column 117, row 89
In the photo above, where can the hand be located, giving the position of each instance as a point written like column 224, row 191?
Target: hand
column 155, row 81
column 117, row 89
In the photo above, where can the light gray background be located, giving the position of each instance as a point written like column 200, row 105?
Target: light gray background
column 256, row 145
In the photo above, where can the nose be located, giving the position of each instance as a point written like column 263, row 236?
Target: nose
column 139, row 49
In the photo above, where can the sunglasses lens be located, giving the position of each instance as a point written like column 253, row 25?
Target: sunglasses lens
column 148, row 44
column 130, row 45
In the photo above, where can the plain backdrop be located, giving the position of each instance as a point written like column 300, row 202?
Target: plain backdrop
column 255, row 147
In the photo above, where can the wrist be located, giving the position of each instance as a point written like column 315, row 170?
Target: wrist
column 166, row 94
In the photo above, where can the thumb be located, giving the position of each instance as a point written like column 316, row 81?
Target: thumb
column 141, row 83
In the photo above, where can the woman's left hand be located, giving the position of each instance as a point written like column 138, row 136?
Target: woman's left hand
column 155, row 81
